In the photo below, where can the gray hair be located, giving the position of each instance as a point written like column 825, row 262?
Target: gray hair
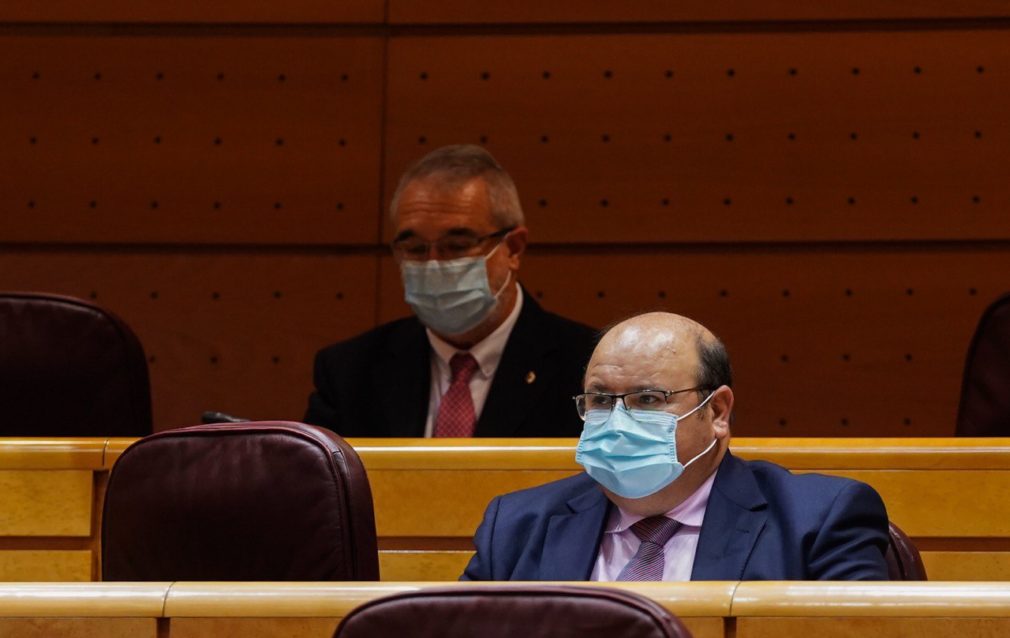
column 454, row 166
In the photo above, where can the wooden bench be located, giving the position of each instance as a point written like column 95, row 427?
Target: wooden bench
column 313, row 610
column 949, row 495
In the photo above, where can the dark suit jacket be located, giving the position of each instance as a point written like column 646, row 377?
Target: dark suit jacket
column 761, row 523
column 377, row 383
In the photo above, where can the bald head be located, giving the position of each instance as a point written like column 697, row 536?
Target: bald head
column 670, row 338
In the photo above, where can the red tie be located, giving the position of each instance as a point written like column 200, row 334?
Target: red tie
column 456, row 416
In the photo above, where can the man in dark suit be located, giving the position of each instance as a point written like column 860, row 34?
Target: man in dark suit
column 662, row 497
column 480, row 357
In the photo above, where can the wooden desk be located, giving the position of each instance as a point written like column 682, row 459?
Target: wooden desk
column 50, row 495
column 313, row 610
column 949, row 495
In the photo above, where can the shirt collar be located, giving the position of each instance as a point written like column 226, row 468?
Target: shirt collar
column 690, row 512
column 488, row 351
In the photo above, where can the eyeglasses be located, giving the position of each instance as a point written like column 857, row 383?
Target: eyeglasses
column 452, row 246
column 641, row 400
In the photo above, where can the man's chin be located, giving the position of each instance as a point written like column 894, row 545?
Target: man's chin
column 651, row 505
column 463, row 340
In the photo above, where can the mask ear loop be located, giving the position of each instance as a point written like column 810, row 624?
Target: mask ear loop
column 696, row 408
column 702, row 453
column 714, row 440
column 508, row 279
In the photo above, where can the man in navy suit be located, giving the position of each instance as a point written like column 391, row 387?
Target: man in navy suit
column 480, row 357
column 662, row 497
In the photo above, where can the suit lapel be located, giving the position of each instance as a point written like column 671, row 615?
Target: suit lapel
column 404, row 371
column 734, row 517
column 514, row 390
column 573, row 540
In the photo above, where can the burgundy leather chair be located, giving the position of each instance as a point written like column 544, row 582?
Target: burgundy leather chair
column 268, row 500
column 903, row 560
column 529, row 611
column 985, row 387
column 69, row 368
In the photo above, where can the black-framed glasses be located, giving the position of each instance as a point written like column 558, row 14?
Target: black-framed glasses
column 451, row 246
column 641, row 400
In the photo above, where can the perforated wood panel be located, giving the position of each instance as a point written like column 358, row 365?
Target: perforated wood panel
column 650, row 11
column 232, row 11
column 724, row 137
column 850, row 343
column 190, row 139
column 233, row 332
column 821, row 183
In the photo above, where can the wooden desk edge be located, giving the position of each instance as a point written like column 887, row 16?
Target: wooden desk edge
column 559, row 454
column 333, row 600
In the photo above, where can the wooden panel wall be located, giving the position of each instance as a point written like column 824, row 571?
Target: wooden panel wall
column 724, row 137
column 193, row 11
column 652, row 11
column 823, row 185
column 223, row 330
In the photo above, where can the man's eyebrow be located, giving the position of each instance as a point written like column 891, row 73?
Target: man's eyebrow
column 460, row 231
column 602, row 389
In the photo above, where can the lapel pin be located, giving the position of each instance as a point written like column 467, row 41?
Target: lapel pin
column 531, row 377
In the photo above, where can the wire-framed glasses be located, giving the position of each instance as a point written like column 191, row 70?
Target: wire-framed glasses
column 452, row 246
column 652, row 399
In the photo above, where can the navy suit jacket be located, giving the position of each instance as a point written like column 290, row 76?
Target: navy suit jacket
column 761, row 523
column 377, row 383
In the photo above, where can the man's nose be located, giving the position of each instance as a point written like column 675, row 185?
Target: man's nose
column 433, row 253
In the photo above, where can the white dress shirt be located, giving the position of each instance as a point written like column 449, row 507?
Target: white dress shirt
column 488, row 354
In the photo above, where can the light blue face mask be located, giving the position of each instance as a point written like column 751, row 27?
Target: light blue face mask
column 633, row 453
column 450, row 297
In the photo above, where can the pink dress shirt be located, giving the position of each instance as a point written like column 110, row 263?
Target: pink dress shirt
column 619, row 543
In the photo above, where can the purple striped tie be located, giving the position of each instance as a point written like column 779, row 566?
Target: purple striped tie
column 648, row 561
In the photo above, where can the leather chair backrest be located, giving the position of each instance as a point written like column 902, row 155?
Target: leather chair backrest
column 903, row 560
column 69, row 368
column 251, row 501
column 529, row 611
column 985, row 387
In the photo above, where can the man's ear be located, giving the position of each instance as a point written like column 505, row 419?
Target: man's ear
column 515, row 241
column 721, row 404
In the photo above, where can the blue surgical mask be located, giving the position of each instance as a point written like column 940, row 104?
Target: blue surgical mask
column 450, row 297
column 633, row 453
